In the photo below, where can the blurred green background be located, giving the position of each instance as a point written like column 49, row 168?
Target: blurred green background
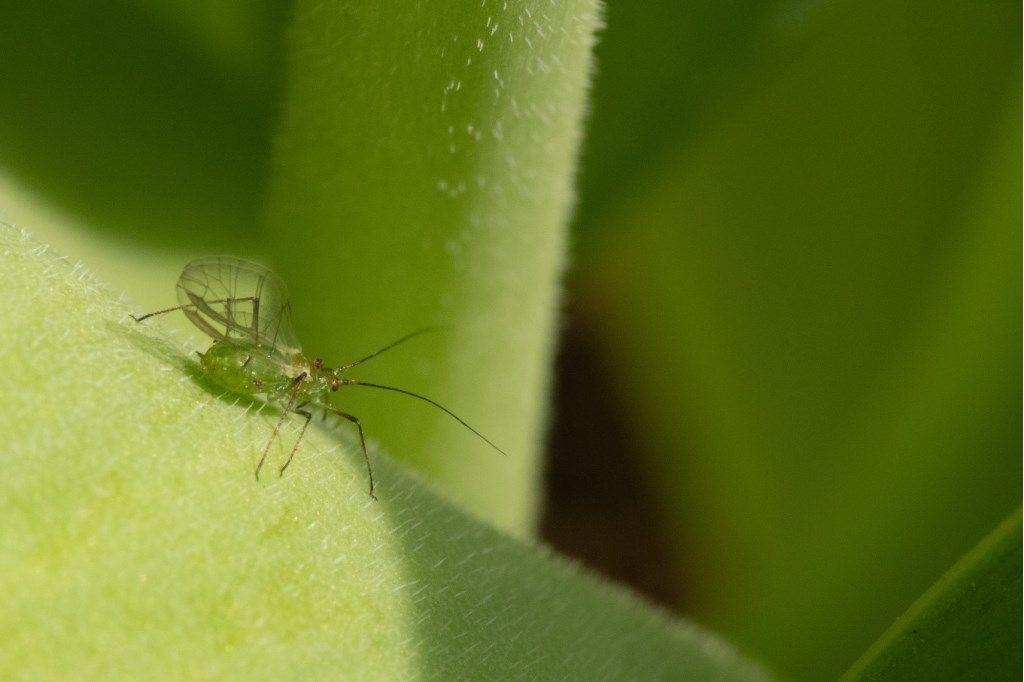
column 788, row 396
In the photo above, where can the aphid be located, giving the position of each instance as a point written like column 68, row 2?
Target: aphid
column 244, row 308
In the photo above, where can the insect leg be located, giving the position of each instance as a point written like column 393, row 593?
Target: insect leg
column 205, row 304
column 308, row 415
column 229, row 308
column 266, row 448
column 157, row 312
column 362, row 442
column 287, row 410
column 206, row 307
column 202, row 311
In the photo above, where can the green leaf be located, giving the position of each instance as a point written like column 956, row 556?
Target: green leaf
column 649, row 104
column 424, row 176
column 132, row 117
column 967, row 626
column 137, row 542
column 816, row 316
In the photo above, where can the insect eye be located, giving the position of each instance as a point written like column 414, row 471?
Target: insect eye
column 318, row 363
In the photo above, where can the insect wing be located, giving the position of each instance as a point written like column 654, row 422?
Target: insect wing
column 233, row 299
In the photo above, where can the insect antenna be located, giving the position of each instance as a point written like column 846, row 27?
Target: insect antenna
column 355, row 382
column 391, row 345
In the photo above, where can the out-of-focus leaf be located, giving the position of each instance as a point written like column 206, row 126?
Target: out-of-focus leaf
column 148, row 275
column 817, row 314
column 966, row 627
column 125, row 116
column 244, row 37
column 663, row 71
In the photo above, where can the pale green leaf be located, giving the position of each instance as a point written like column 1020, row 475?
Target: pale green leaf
column 137, row 542
column 424, row 176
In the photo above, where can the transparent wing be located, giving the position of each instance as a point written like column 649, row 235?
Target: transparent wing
column 230, row 298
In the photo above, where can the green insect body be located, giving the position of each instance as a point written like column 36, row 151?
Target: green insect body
column 249, row 369
column 244, row 308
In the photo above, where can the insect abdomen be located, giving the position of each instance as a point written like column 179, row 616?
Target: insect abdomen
column 244, row 369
